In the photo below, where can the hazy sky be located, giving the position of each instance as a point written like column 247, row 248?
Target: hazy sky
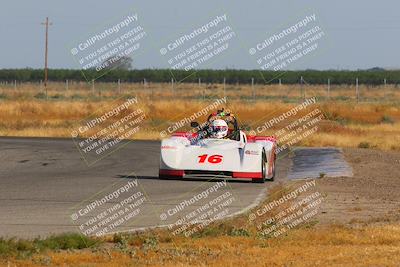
column 358, row 33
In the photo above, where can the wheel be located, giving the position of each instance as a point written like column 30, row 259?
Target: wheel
column 273, row 168
column 170, row 174
column 273, row 171
column 263, row 169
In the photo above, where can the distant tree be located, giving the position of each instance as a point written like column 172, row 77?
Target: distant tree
column 121, row 71
column 376, row 69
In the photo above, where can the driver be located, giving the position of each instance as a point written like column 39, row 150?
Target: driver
column 219, row 129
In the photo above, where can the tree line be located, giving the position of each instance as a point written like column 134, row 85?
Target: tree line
column 373, row 77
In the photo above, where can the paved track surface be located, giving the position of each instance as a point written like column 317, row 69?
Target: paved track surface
column 46, row 188
column 317, row 162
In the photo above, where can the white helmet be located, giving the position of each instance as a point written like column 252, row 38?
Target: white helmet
column 219, row 129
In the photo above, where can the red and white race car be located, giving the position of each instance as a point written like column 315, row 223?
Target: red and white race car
column 218, row 151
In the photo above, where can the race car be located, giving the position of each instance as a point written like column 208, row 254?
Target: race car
column 218, row 149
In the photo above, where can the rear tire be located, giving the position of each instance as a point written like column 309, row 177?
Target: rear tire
column 169, row 177
column 273, row 172
column 263, row 170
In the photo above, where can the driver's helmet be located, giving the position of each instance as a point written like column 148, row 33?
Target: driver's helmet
column 219, row 129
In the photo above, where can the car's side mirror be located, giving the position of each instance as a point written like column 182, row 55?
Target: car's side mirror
column 194, row 124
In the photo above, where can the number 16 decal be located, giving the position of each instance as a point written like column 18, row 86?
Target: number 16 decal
column 214, row 159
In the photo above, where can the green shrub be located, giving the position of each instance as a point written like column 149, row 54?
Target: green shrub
column 387, row 119
column 76, row 97
column 364, row 145
column 239, row 232
column 57, row 96
column 40, row 96
column 66, row 241
column 150, row 242
column 23, row 247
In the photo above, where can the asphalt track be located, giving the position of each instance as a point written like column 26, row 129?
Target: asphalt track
column 46, row 188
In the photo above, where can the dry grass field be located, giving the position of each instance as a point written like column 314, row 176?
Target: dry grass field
column 335, row 246
column 373, row 121
column 287, row 93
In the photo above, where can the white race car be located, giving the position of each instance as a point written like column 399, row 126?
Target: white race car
column 201, row 154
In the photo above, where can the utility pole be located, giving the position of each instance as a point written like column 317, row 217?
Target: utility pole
column 224, row 87
column 252, row 89
column 384, row 88
column 329, row 89
column 357, row 91
column 45, row 53
column 302, row 93
column 119, row 86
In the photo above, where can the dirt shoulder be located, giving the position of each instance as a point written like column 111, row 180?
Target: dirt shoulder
column 372, row 195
